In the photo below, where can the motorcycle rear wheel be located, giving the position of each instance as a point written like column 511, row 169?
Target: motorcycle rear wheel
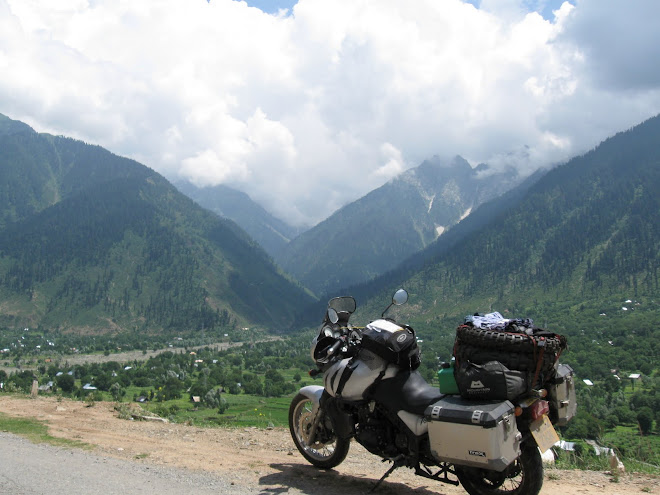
column 523, row 477
column 328, row 450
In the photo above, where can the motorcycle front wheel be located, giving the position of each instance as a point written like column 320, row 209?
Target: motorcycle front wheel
column 327, row 450
column 523, row 477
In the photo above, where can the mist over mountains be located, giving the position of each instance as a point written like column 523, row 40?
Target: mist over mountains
column 377, row 232
column 369, row 236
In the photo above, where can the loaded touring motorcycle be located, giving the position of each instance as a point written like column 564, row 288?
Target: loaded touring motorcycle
column 484, row 428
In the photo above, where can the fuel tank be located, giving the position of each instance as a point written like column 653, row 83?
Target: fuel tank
column 349, row 379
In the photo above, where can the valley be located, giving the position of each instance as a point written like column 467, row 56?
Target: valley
column 104, row 255
column 212, row 210
column 120, row 356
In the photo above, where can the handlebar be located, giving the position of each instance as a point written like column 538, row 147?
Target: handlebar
column 335, row 347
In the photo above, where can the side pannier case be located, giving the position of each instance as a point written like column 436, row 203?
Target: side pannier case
column 561, row 395
column 473, row 433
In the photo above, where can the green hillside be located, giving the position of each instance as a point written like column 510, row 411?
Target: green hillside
column 588, row 231
column 372, row 235
column 271, row 233
column 93, row 242
column 578, row 253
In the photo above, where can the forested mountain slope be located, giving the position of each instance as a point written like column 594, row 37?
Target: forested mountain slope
column 588, row 228
column 96, row 242
column 377, row 232
column 271, row 233
column 579, row 253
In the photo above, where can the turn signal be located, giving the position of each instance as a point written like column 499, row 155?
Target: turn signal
column 518, row 411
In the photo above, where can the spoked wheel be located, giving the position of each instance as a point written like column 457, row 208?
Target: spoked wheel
column 523, row 477
column 327, row 450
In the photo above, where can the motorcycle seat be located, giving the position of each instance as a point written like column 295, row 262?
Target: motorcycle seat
column 407, row 391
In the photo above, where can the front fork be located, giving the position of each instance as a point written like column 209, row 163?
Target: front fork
column 324, row 403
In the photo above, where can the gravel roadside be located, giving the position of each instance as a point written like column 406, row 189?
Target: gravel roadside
column 141, row 457
column 36, row 469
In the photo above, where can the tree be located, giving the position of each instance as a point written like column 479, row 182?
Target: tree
column 612, row 420
column 583, row 425
column 117, row 391
column 252, row 384
column 645, row 420
column 66, row 383
column 22, row 380
column 625, row 415
column 198, row 389
column 214, row 399
column 103, row 381
column 172, row 388
column 222, row 407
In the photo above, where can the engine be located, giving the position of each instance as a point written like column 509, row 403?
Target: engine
column 376, row 433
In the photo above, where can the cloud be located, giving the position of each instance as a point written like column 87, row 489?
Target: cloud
column 618, row 43
column 313, row 107
column 394, row 164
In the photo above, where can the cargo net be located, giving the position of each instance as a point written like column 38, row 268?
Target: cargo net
column 510, row 351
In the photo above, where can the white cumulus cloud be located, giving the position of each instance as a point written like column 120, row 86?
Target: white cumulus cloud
column 309, row 108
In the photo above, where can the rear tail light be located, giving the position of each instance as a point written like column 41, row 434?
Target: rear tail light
column 539, row 408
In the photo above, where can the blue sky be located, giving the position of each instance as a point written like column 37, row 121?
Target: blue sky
column 306, row 113
column 543, row 7
column 272, row 6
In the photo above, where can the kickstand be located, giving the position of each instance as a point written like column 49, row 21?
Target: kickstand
column 395, row 465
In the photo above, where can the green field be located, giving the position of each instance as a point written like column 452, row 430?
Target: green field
column 243, row 411
column 35, row 431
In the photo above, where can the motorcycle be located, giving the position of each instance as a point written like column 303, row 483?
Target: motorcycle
column 372, row 393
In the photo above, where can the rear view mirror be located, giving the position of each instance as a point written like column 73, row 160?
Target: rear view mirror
column 400, row 297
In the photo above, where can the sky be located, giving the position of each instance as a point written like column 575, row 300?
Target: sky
column 308, row 105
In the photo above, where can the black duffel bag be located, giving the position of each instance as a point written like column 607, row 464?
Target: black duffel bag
column 490, row 381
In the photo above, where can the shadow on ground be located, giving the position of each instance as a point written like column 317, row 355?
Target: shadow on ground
column 313, row 481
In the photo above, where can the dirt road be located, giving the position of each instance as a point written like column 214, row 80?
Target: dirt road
column 250, row 460
column 40, row 469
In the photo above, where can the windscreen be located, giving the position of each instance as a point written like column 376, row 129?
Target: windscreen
column 342, row 304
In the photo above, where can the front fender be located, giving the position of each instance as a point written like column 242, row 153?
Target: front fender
column 343, row 423
column 313, row 393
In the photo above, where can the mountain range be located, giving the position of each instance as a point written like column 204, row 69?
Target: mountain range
column 371, row 235
column 270, row 232
column 374, row 234
column 90, row 240
column 578, row 248
column 93, row 241
column 587, row 229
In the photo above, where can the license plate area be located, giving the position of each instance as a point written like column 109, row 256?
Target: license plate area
column 544, row 433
